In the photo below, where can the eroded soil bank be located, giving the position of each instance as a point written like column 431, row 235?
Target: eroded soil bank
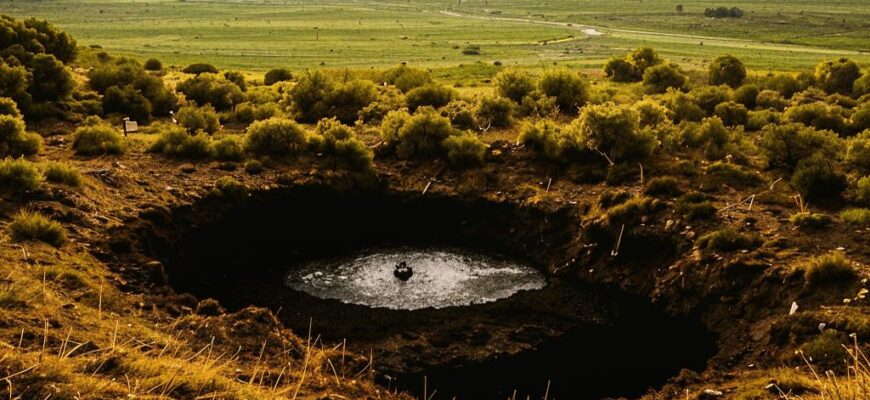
column 237, row 248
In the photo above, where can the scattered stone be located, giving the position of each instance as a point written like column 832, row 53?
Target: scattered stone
column 188, row 168
column 794, row 308
column 708, row 394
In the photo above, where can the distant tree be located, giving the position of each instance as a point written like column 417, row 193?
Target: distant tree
column 153, row 64
column 727, row 70
column 679, row 8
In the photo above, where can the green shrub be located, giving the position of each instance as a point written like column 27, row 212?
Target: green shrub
column 682, row 106
column 127, row 101
column 461, row 114
column 650, row 112
column 133, row 90
column 315, row 96
column 97, row 139
column 420, row 135
column 858, row 151
column 860, row 119
column 494, row 111
column 200, row 68
column 631, row 211
column 811, row 220
column 660, row 78
column 153, row 64
column 770, row 100
column 248, row 112
column 568, row 88
column 9, row 107
column 711, row 137
column 614, row 130
column 857, row 217
column 786, row 84
column 837, row 76
column 333, row 138
column 538, row 105
column 708, row 97
column 724, row 173
column 175, row 141
column 228, row 185
column 757, row 120
column 728, row 239
column 818, row 115
column 466, row 150
column 663, row 186
column 61, row 173
column 346, row 100
column 276, row 75
column 732, row 113
column 862, row 85
column 28, row 226
column 621, row 70
column 514, row 84
column 816, row 178
column 196, row 119
column 827, row 350
column 406, row 78
column 211, row 88
column 275, row 137
column 695, row 206
column 228, row 149
column 829, row 268
column 547, row 139
column 18, row 176
column 238, row 78
column 747, row 95
column 432, row 95
column 727, row 70
column 862, row 190
column 254, row 167
column 785, row 145
column 14, row 140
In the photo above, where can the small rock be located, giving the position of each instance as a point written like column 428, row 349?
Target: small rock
column 710, row 394
column 669, row 225
column 794, row 308
column 188, row 168
column 690, row 235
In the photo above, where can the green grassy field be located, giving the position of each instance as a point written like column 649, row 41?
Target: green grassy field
column 258, row 35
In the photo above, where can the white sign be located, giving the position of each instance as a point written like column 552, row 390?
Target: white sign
column 131, row 126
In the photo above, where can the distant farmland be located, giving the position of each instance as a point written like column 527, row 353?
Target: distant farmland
column 257, row 35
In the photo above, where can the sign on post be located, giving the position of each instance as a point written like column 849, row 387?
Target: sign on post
column 130, row 126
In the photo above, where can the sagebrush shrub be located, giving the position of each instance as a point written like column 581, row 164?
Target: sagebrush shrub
column 663, row 186
column 811, row 220
column 682, row 106
column 862, row 191
column 732, row 175
column 432, row 95
column 248, row 112
column 856, row 217
column 770, row 100
column 568, row 88
column 332, row 138
column 548, row 139
column 660, row 78
column 732, row 113
column 614, row 131
column 837, row 76
column 708, row 97
column 514, row 84
column 196, row 119
column 213, row 89
column 175, row 141
column 9, row 107
column 727, row 70
column 228, row 148
column 62, row 173
column 828, row 269
column 14, row 140
column 200, row 68
column 494, row 112
column 728, row 239
column 461, row 114
column 785, row 145
column 466, row 150
column 818, row 115
column 26, row 226
column 97, row 139
column 747, row 95
column 858, row 151
column 153, row 64
column 275, row 137
column 18, row 176
column 406, row 78
column 276, row 75
column 817, row 178
column 651, row 113
column 418, row 135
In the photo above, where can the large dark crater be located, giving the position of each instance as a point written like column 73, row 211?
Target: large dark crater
column 581, row 341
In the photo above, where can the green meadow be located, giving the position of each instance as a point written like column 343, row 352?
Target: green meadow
column 258, row 35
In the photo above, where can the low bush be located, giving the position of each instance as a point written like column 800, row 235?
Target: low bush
column 466, row 150
column 785, row 84
column 332, row 138
column 431, row 95
column 418, row 135
column 14, row 140
column 732, row 113
column 346, row 100
column 175, row 141
column 663, row 186
column 811, row 220
column 614, row 131
column 632, row 211
column 461, row 114
column 238, row 78
column 196, row 119
column 213, row 89
column 568, row 88
column 18, row 176
column 682, row 106
column 494, row 112
column 315, row 96
column 406, row 78
column 660, row 78
column 757, row 120
column 248, row 112
column 816, row 178
column 539, row 105
column 228, row 148
column 228, row 185
column 27, row 226
column 728, row 239
column 747, row 95
column 856, row 217
column 651, row 113
column 862, row 191
column 254, row 167
column 711, row 137
column 727, row 70
column 9, row 107
column 631, row 68
column 770, row 100
column 827, row 350
column 153, row 64
column 127, row 101
column 818, row 115
column 97, row 139
column 514, row 84
column 548, row 139
column 277, row 75
column 695, row 206
column 783, row 146
column 828, row 269
column 724, row 173
column 708, row 97
column 837, row 76
column 860, row 119
column 62, row 173
column 200, row 68
column 858, row 151
column 275, row 137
